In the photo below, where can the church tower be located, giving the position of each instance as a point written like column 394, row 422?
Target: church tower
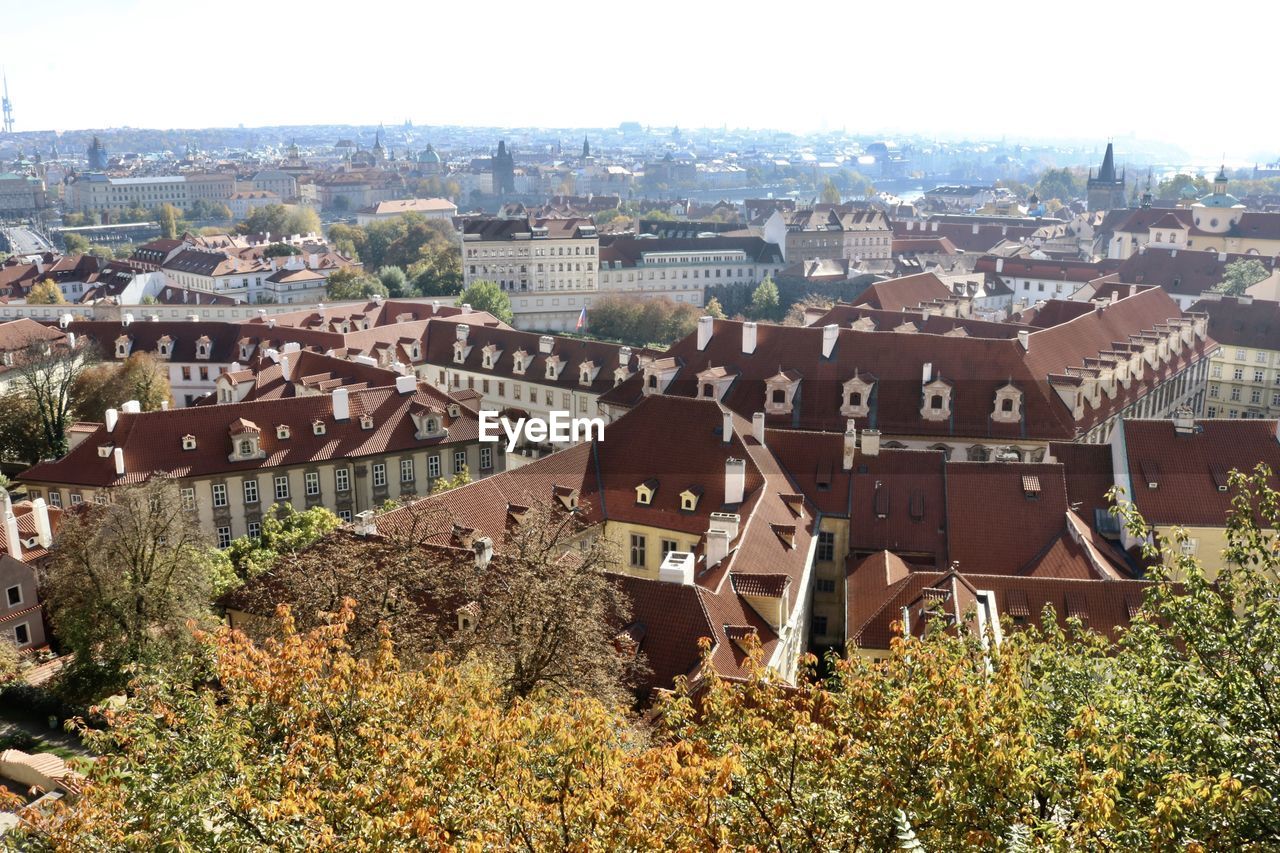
column 504, row 170
column 1105, row 190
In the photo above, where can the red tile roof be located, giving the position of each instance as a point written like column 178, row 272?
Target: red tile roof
column 905, row 293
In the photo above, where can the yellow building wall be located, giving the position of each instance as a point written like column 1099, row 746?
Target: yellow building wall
column 619, row 535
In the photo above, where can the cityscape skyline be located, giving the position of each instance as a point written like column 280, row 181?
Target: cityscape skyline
column 922, row 81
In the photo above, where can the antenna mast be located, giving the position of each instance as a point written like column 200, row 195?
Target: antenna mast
column 7, row 107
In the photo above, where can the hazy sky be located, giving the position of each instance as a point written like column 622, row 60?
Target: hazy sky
column 983, row 69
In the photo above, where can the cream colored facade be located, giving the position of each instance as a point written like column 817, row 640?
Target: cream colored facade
column 227, row 508
column 1244, row 382
column 549, row 279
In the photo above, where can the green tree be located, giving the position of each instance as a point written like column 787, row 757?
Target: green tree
column 713, row 309
column 280, row 250
column 1061, row 184
column 395, row 281
column 40, row 388
column 348, row 284
column 765, row 301
column 126, row 576
column 1239, row 276
column 45, row 292
column 74, row 244
column 168, row 219
column 285, row 532
column 106, row 385
column 830, row 192
column 1181, row 186
column 303, row 220
column 487, row 296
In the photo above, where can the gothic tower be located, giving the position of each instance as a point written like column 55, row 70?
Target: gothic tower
column 1105, row 190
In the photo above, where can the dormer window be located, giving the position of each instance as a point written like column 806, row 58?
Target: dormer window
column 652, row 382
column 282, row 432
column 856, row 398
column 366, row 421
column 1008, row 408
column 455, row 411
column 645, row 492
column 587, row 372
column 164, row 347
column 554, row 365
column 246, row 351
column 780, row 392
column 937, row 401
column 204, row 347
column 491, row 354
column 708, row 391
column 520, row 361
column 689, row 498
column 188, row 442
column 317, row 427
column 124, row 344
column 460, row 352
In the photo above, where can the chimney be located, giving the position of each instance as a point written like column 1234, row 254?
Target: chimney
column 406, row 384
column 484, row 551
column 71, row 339
column 748, row 338
column 118, row 456
column 624, row 356
column 1222, row 257
column 999, row 265
column 1184, row 423
column 735, row 480
column 464, row 331
column 341, row 404
column 466, row 308
column 364, row 525
column 1024, row 338
column 757, row 427
column 677, row 567
column 850, row 444
column 726, row 427
column 131, row 407
column 126, row 320
column 705, row 326
column 830, row 334
column 40, row 513
column 546, row 343
column 286, row 369
column 717, row 546
column 871, row 442
column 11, row 527
column 926, row 373
column 111, row 417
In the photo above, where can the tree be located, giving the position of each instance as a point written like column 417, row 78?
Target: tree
column 713, row 308
column 1182, row 186
column 21, row 436
column 10, row 662
column 43, row 378
column 1061, row 184
column 487, row 296
column 347, row 284
column 302, row 220
column 765, row 301
column 299, row 744
column 74, row 244
column 640, row 322
column 285, row 532
column 395, row 281
column 280, row 250
column 830, row 192
column 126, row 576
column 106, row 385
column 797, row 314
column 1239, row 276
column 45, row 292
column 439, row 273
column 168, row 218
column 280, row 220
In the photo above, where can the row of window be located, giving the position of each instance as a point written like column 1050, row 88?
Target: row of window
column 640, row 548
column 1235, row 396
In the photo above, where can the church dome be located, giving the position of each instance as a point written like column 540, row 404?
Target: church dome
column 428, row 156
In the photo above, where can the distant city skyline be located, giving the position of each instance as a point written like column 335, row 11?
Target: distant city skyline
column 983, row 70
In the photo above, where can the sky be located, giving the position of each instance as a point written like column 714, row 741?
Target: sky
column 1081, row 69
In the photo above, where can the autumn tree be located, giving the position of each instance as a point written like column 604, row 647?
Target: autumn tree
column 285, row 531
column 350, row 284
column 74, row 244
column 487, row 296
column 126, row 576
column 1239, row 276
column 713, row 308
column 106, row 385
column 830, row 192
column 657, row 320
column 798, row 313
column 45, row 292
column 43, row 377
column 297, row 744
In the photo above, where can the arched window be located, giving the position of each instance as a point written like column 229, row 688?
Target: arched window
column 1006, row 405
column 855, row 398
column 708, row 390
column 935, row 402
column 432, row 425
column 779, row 395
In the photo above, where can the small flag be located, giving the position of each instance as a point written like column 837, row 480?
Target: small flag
column 582, row 320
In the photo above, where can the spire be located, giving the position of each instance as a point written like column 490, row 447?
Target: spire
column 586, row 148
column 1108, row 170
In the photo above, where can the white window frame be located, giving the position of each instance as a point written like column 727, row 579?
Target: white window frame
column 251, row 491
column 219, row 494
column 281, row 484
column 223, row 535
column 457, row 468
column 379, row 474
column 10, row 603
column 342, row 479
column 486, row 458
column 433, row 466
column 407, row 473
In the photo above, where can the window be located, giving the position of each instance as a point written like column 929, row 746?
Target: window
column 826, row 585
column 1216, row 371
column 486, row 458
column 246, row 448
column 13, row 595
column 219, row 494
column 1240, row 355
column 1235, row 394
column 282, row 485
column 76, row 498
column 637, row 550
column 224, row 537
column 379, row 474
column 1258, row 376
column 1189, row 547
column 255, row 529
column 1260, row 356
column 55, row 499
column 820, row 622
column 669, row 545
column 188, row 498
column 344, row 515
column 1213, row 390
column 1237, row 374
column 433, row 466
column 1255, row 396
column 21, row 634
column 459, row 460
column 826, row 545
column 406, row 470
column 251, row 491
column 341, row 479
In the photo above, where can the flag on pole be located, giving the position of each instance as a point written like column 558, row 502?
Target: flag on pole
column 582, row 320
